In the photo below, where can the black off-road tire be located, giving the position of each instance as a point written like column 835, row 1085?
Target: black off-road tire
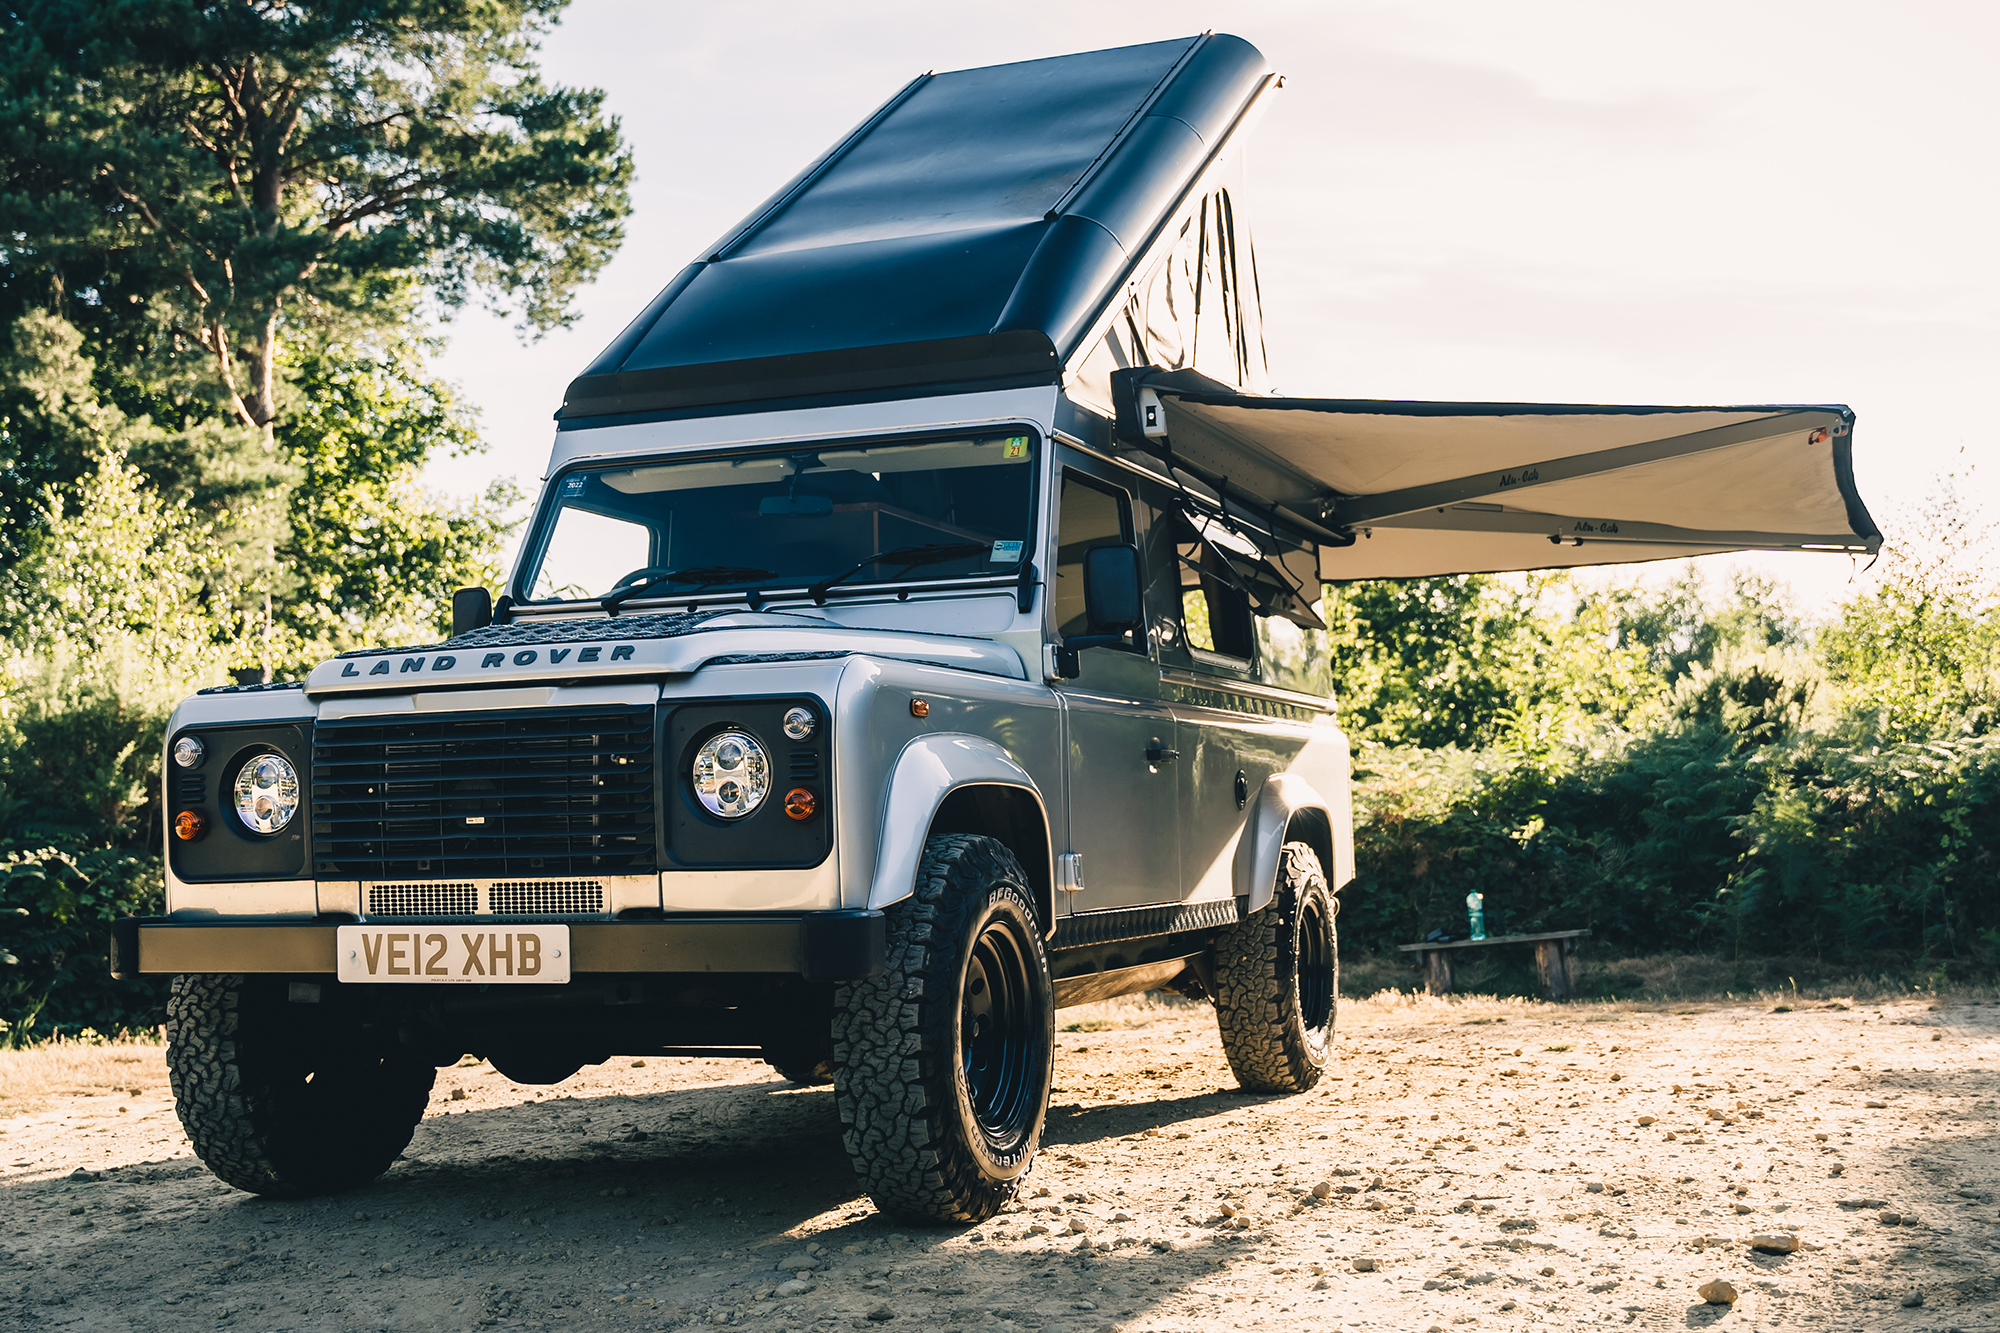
column 942, row 1065
column 286, row 1100
column 1277, row 981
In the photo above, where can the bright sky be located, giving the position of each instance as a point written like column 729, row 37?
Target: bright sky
column 1708, row 202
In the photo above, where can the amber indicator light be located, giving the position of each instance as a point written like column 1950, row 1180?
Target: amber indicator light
column 189, row 825
column 801, row 804
column 920, row 708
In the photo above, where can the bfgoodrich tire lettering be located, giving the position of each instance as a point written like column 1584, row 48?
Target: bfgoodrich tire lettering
column 942, row 1065
column 1277, row 981
column 281, row 1099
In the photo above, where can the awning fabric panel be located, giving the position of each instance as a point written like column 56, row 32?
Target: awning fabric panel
column 1440, row 488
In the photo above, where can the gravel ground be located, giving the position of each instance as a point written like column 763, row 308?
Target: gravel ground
column 1477, row 1163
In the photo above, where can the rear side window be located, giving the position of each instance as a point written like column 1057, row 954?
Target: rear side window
column 1092, row 514
column 1215, row 607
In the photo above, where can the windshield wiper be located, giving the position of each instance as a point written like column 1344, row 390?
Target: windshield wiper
column 702, row 576
column 908, row 557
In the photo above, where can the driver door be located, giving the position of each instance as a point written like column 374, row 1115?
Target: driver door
column 1121, row 802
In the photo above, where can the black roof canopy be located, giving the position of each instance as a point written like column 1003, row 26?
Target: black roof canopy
column 971, row 230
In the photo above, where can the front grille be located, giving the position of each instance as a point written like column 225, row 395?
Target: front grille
column 534, row 897
column 546, row 897
column 537, row 795
column 423, row 899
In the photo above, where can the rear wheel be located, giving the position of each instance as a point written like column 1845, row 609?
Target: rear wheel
column 942, row 1065
column 287, row 1099
column 1277, row 981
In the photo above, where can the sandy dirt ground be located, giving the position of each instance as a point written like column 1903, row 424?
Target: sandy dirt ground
column 1478, row 1163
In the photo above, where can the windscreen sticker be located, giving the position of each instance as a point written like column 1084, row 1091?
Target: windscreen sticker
column 1004, row 553
column 1017, row 447
column 575, row 485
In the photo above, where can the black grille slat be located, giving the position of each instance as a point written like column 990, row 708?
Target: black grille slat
column 556, row 793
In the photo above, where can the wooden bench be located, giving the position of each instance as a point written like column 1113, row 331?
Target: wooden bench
column 1552, row 954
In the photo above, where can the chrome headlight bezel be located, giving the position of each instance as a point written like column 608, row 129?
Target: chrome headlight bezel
column 264, row 794
column 731, row 774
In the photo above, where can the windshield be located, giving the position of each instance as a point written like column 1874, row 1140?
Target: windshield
column 772, row 522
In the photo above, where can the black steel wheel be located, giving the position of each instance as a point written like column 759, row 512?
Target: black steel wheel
column 942, row 1065
column 1277, row 981
column 1003, row 1033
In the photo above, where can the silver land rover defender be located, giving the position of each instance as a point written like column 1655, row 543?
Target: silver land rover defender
column 916, row 634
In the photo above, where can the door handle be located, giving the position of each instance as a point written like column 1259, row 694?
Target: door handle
column 1160, row 754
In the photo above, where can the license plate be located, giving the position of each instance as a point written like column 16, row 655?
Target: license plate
column 534, row 955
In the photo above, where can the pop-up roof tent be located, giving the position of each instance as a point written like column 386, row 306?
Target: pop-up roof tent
column 1076, row 222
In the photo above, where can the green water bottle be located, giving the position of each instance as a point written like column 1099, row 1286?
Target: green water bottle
column 1475, row 911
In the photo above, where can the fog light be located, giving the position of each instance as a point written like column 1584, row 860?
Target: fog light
column 801, row 804
column 189, row 825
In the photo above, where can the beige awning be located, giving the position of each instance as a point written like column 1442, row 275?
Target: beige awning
column 1447, row 488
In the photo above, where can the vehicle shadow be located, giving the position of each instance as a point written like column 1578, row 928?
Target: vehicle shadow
column 678, row 1202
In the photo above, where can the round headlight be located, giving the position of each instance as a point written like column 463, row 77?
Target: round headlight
column 799, row 723
column 267, row 793
column 189, row 752
column 732, row 774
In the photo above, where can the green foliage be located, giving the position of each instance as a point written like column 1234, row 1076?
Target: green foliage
column 56, row 909
column 218, row 221
column 1474, row 659
column 372, row 556
column 202, row 171
column 1922, row 651
column 1691, row 838
column 1836, row 794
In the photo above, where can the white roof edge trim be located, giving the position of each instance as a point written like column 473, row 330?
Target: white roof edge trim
column 725, row 429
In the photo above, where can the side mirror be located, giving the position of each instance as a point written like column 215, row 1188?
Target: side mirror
column 471, row 609
column 1112, row 600
column 1113, row 603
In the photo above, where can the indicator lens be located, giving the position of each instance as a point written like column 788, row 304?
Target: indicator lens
column 801, row 804
column 189, row 752
column 800, row 723
column 189, row 825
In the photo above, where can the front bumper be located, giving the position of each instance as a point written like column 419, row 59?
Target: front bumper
column 818, row 946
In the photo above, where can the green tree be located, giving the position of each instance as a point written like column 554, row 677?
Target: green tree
column 373, row 556
column 223, row 171
column 1471, row 660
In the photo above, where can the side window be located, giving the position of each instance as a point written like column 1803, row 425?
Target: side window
column 1092, row 514
column 1294, row 656
column 1215, row 608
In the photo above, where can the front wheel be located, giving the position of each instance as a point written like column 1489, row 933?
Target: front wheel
column 942, row 1065
column 1277, row 981
column 284, row 1099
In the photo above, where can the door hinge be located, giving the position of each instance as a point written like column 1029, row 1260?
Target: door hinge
column 1069, row 872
